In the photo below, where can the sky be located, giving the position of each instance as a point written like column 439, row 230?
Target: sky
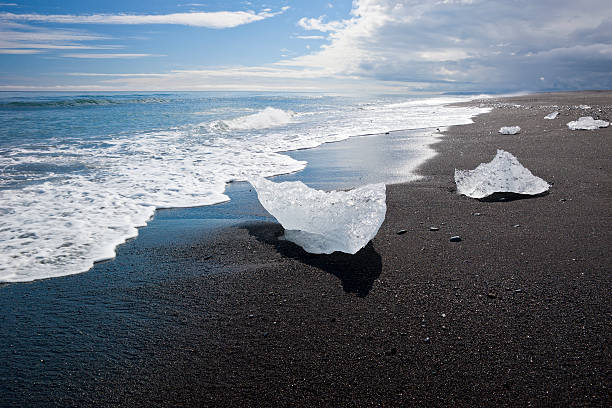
column 306, row 45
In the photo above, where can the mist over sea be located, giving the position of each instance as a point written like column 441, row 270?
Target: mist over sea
column 79, row 173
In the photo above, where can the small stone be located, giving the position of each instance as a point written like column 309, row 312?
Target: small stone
column 434, row 228
column 476, row 214
column 426, row 339
column 518, row 290
column 563, row 200
column 516, row 225
column 401, row 232
column 491, row 295
column 443, row 314
column 455, row 238
column 207, row 257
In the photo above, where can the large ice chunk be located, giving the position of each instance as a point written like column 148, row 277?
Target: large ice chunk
column 504, row 174
column 587, row 123
column 509, row 130
column 552, row 115
column 322, row 222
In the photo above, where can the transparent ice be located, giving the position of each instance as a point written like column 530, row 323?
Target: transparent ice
column 504, row 174
column 322, row 222
column 587, row 123
column 552, row 115
column 509, row 130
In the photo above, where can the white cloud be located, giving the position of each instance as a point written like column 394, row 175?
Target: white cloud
column 437, row 41
column 310, row 37
column 21, row 36
column 108, row 56
column 217, row 19
column 317, row 24
column 18, row 52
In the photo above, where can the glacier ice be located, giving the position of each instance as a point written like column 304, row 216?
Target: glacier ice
column 504, row 174
column 552, row 115
column 509, row 130
column 587, row 123
column 322, row 222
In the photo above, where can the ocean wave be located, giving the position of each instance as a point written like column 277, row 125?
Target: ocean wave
column 267, row 118
column 69, row 204
column 78, row 101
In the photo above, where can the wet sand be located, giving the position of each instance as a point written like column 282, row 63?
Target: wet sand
column 518, row 313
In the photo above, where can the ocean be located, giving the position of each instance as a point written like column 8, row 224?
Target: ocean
column 79, row 173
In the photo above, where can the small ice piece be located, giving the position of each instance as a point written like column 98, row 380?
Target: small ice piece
column 584, row 107
column 587, row 123
column 509, row 130
column 504, row 174
column 322, row 222
column 552, row 115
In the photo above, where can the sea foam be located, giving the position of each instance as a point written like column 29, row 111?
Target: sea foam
column 269, row 117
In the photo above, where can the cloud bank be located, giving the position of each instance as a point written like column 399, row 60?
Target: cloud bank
column 468, row 44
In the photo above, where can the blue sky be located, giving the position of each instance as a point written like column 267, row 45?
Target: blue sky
column 361, row 45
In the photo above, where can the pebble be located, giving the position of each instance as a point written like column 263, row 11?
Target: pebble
column 516, row 225
column 456, row 238
column 434, row 228
column 492, row 295
column 426, row 339
column 401, row 232
column 476, row 214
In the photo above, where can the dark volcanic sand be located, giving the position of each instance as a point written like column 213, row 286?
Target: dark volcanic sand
column 518, row 313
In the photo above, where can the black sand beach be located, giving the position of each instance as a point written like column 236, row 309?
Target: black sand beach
column 518, row 313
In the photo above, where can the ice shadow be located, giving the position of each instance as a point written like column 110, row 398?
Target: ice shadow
column 356, row 272
column 505, row 197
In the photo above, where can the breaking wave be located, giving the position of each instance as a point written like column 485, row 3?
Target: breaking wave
column 267, row 118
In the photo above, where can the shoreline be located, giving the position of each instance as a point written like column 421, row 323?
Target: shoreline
column 510, row 316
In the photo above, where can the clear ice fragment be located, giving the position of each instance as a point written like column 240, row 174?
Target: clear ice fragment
column 552, row 115
column 587, row 123
column 509, row 130
column 504, row 174
column 322, row 222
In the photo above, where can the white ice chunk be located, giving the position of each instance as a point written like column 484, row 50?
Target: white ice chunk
column 323, row 222
column 552, row 115
column 504, row 174
column 587, row 123
column 584, row 106
column 509, row 130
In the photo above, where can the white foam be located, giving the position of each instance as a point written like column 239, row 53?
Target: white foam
column 61, row 224
column 269, row 117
